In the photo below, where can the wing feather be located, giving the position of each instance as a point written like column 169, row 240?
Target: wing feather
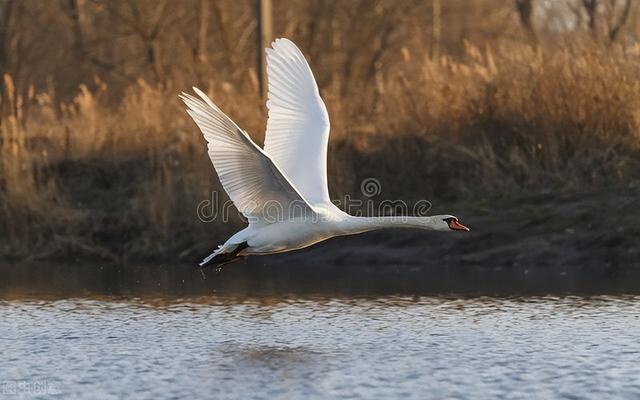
column 298, row 125
column 253, row 182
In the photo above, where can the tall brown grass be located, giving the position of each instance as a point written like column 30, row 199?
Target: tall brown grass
column 116, row 181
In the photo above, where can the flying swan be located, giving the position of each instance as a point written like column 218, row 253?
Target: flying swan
column 282, row 190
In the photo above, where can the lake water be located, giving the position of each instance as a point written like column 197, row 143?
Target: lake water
column 320, row 346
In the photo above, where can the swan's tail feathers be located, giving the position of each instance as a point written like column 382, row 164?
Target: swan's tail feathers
column 223, row 255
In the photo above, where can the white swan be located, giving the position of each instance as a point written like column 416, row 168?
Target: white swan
column 282, row 190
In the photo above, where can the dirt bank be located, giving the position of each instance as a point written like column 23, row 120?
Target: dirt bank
column 596, row 230
column 549, row 243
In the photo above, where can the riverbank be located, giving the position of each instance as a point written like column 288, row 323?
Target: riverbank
column 594, row 229
column 548, row 243
column 544, row 228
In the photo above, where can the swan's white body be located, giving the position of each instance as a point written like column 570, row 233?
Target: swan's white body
column 282, row 190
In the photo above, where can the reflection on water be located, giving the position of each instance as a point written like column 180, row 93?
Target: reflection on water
column 310, row 346
column 254, row 279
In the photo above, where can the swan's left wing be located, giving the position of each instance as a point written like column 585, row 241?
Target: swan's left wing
column 253, row 182
column 298, row 125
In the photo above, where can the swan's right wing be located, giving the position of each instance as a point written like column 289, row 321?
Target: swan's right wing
column 298, row 125
column 253, row 182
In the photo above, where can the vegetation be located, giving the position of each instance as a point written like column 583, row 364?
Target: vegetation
column 471, row 100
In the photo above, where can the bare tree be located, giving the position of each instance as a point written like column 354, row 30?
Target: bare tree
column 615, row 30
column 437, row 28
column 591, row 6
column 264, row 10
column 75, row 13
column 203, row 26
column 146, row 22
column 9, row 34
column 525, row 12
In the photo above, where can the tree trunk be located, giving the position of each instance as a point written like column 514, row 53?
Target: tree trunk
column 613, row 33
column 525, row 13
column 591, row 6
column 201, row 51
column 265, row 36
column 436, row 33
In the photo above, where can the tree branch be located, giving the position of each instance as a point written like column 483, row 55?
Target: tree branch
column 613, row 33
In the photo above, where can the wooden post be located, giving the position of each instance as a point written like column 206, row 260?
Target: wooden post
column 265, row 37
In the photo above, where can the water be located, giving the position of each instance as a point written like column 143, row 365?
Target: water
column 328, row 346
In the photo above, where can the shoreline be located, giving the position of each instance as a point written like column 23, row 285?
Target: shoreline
column 549, row 229
column 541, row 245
column 537, row 244
column 252, row 280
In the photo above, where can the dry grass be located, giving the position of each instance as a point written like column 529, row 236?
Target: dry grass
column 123, row 180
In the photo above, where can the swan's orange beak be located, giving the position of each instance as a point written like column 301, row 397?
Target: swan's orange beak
column 457, row 226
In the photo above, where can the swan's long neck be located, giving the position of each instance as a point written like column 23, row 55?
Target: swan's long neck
column 364, row 224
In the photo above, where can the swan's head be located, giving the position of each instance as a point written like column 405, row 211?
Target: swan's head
column 447, row 223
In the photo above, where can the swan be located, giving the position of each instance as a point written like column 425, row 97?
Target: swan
column 282, row 189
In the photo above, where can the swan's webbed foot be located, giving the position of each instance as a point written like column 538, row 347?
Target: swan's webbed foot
column 222, row 259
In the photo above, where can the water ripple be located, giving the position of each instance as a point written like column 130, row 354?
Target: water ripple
column 316, row 347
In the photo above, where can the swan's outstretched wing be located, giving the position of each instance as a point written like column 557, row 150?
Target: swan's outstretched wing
column 298, row 125
column 255, row 185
